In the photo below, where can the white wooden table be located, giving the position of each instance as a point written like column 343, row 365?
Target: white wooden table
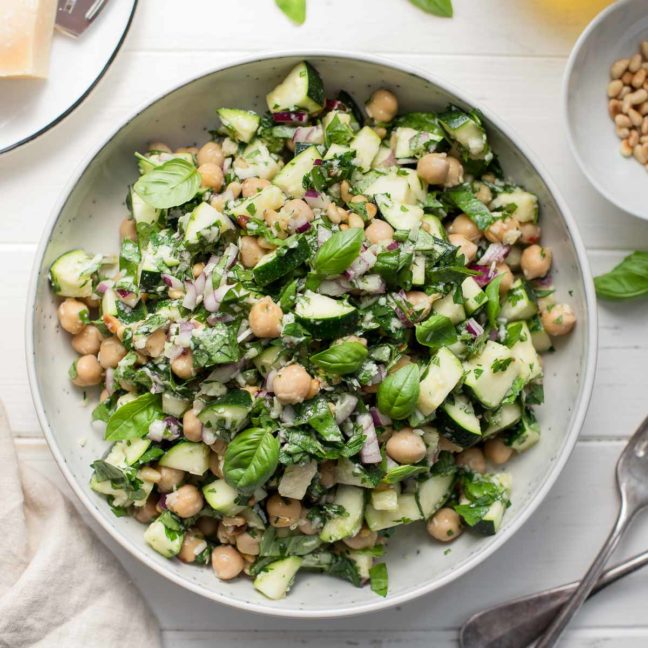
column 510, row 55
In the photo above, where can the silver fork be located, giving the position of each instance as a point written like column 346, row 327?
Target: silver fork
column 75, row 16
column 632, row 483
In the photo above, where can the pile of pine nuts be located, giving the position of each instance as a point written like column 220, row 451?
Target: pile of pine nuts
column 628, row 106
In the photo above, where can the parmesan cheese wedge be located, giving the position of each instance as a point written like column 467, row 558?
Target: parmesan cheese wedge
column 26, row 28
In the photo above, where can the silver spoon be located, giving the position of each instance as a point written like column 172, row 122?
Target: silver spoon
column 520, row 622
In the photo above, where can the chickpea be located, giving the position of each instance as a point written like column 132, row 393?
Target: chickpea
column 355, row 221
column 535, row 261
column 283, row 512
column 187, row 149
column 227, row 562
column 159, row 147
column 473, row 459
column 182, row 366
column 196, row 269
column 72, row 315
column 251, row 186
column 150, row 474
column 513, row 257
column 170, row 478
column 497, row 452
column 248, row 544
column 444, row 525
column 208, row 526
column 292, row 384
column 504, row 230
column 191, row 426
column 114, row 325
column 466, row 247
column 306, row 526
column 379, row 232
column 265, row 318
column 327, row 474
column 455, row 173
column 227, row 534
column 406, row 447
column 186, row 501
column 277, row 222
column 216, row 464
column 382, row 105
column 298, row 210
column 211, row 176
column 433, row 168
column 250, row 251
column 111, row 352
column 147, row 513
column 507, row 279
column 558, row 319
column 464, row 226
column 530, row 233
column 211, row 153
column 192, row 544
column 87, row 341
column 421, row 302
column 88, row 371
column 364, row 539
column 155, row 343
column 448, row 446
column 336, row 214
column 483, row 193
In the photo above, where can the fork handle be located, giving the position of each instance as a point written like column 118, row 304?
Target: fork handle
column 562, row 619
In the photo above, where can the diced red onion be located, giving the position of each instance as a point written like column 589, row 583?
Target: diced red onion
column 162, row 502
column 156, row 430
column 406, row 161
column 495, row 253
column 213, row 298
column 335, row 104
column 543, row 282
column 190, row 300
column 485, row 276
column 492, row 335
column 323, row 235
column 370, row 451
column 225, row 373
column 244, row 335
column 110, row 380
column 128, row 297
column 372, row 284
column 393, row 246
column 379, row 419
column 317, row 163
column 379, row 375
column 230, row 255
column 303, row 228
column 361, row 265
column 288, row 415
column 175, row 352
column 405, row 321
column 172, row 282
column 344, row 407
column 208, row 436
column 389, row 161
column 199, row 283
column 173, row 425
column 308, row 134
column 102, row 286
column 270, row 379
column 474, row 327
column 290, row 117
column 220, row 317
column 334, row 287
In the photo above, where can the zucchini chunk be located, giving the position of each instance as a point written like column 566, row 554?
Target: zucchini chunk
column 228, row 414
column 324, row 317
column 460, row 424
column 71, row 274
column 302, row 88
column 290, row 178
column 188, row 456
column 406, row 511
column 281, row 261
column 443, row 375
column 241, row 125
column 277, row 578
column 222, row 497
column 345, row 526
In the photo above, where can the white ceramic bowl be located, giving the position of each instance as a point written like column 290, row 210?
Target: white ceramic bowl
column 88, row 217
column 614, row 34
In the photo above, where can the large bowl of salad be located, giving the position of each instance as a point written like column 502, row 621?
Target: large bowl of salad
column 311, row 335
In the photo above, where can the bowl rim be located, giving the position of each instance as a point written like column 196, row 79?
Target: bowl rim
column 566, row 83
column 554, row 469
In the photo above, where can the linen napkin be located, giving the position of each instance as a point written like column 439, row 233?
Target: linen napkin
column 59, row 586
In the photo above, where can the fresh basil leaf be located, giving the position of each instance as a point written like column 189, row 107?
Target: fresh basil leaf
column 132, row 420
column 337, row 132
column 444, row 465
column 398, row 393
column 288, row 296
column 294, row 545
column 341, row 359
column 464, row 199
column 442, row 8
column 379, row 579
column 107, row 472
column 215, row 345
column 436, row 331
column 251, row 459
column 493, row 304
column 398, row 473
column 125, row 479
column 471, row 513
column 316, row 413
column 294, row 9
column 333, row 564
column 627, row 280
column 169, row 185
column 339, row 252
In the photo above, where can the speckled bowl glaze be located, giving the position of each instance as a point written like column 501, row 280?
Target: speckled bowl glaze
column 88, row 217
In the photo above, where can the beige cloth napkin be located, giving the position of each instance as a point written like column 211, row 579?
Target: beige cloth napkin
column 59, row 586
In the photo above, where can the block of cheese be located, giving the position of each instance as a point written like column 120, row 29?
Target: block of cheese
column 26, row 28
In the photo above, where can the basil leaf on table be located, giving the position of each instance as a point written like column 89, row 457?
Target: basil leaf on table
column 339, row 252
column 398, row 393
column 378, row 579
column 341, row 359
column 493, row 297
column 132, row 420
column 464, row 199
column 173, row 183
column 251, row 459
column 436, row 331
column 441, row 8
column 294, row 9
column 627, row 280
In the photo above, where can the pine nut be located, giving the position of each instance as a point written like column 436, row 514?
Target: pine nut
column 626, row 91
column 644, row 126
column 643, row 108
column 635, row 63
column 635, row 117
column 640, row 153
column 626, row 77
column 619, row 67
column 639, row 78
column 622, row 121
column 643, row 139
column 622, row 133
column 625, row 149
column 614, row 87
column 634, row 98
column 644, row 49
column 633, row 138
column 614, row 108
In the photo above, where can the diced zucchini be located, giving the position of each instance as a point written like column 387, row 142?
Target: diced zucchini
column 256, row 161
column 296, row 479
column 302, row 88
column 399, row 215
column 325, row 317
column 109, row 302
column 229, row 413
column 277, row 578
column 447, row 306
column 524, row 352
column 119, row 496
column 363, row 561
column 402, row 186
column 443, row 375
column 384, row 158
column 502, row 418
column 539, row 337
column 526, row 205
column 336, row 150
column 525, row 435
column 127, row 452
column 269, row 359
column 167, row 544
column 407, row 511
column 461, row 425
column 385, row 500
column 290, row 178
column 365, row 144
column 346, row 473
column 268, row 198
column 240, row 125
column 418, row 270
column 433, row 225
column 282, row 261
column 222, row 497
column 188, row 456
column 491, row 523
column 490, row 375
column 347, row 525
column 474, row 297
column 142, row 212
column 71, row 273
column 403, row 139
column 518, row 304
column 465, row 130
column 206, row 224
column 174, row 405
column 433, row 493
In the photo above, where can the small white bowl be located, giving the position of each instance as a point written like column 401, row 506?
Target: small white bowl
column 614, row 34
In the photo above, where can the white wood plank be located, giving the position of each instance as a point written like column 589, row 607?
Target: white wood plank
column 620, row 380
column 554, row 546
